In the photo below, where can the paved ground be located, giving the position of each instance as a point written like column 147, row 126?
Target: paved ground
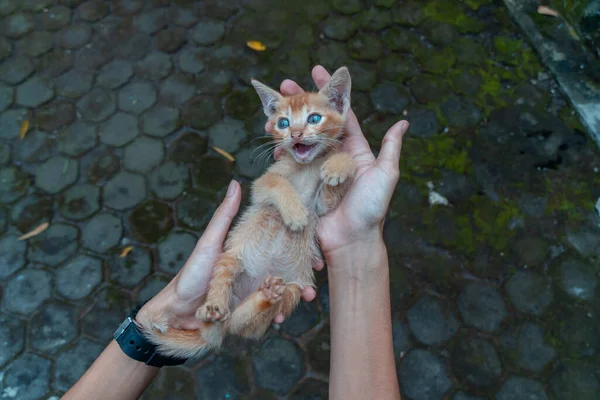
column 495, row 295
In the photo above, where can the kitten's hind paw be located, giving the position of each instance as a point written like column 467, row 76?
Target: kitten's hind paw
column 273, row 289
column 212, row 312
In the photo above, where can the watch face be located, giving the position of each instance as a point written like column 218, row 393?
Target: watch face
column 122, row 328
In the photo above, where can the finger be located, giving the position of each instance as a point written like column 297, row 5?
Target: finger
column 389, row 156
column 320, row 76
column 216, row 231
column 290, row 88
column 269, row 127
column 318, row 265
column 278, row 319
column 309, row 293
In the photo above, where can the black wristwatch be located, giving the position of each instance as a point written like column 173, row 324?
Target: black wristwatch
column 133, row 343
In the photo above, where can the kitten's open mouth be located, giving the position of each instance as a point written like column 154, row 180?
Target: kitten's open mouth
column 303, row 151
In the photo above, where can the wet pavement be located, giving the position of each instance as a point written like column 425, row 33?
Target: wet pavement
column 495, row 294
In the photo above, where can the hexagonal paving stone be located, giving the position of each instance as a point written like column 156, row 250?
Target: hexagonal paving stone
column 578, row 280
column 578, row 331
column 72, row 363
column 57, row 62
column 423, row 122
column 219, row 379
column 202, row 112
column 77, row 139
column 151, row 221
column 115, row 74
column 214, row 173
column 93, row 10
column 27, row 290
column 516, row 388
column 16, row 70
column 423, row 376
column 177, row 89
column 97, row 105
column 169, row 180
column 174, row 383
column 55, row 115
column 208, row 32
column 175, row 250
column 79, row 277
column 17, row 25
column 152, row 287
column 74, row 83
column 54, row 245
column 12, row 255
column 133, row 46
column 250, row 164
column 460, row 113
column 143, row 155
column 182, row 17
column 430, row 323
column 36, row 44
column 12, row 337
column 137, row 97
column 124, row 191
column 5, row 48
column 481, row 307
column 188, row 147
column 575, row 380
column 477, row 362
column 5, row 150
column 160, row 121
column 31, row 211
column 102, row 233
column 154, row 66
column 529, row 292
column 171, row 39
column 131, row 269
column 7, row 7
column 304, row 317
column 339, row 27
column 195, row 209
column 10, row 123
column 215, row 82
column 26, row 378
column 75, row 36
column 464, row 396
column 15, row 184
column 35, row 147
column 388, row 98
column 311, row 389
column 52, row 327
column 110, row 308
column 533, row 352
column 190, row 60
column 241, row 104
column 151, row 21
column 119, row 130
column 56, row 18
column 103, row 167
column 6, row 97
column 80, row 202
column 278, row 365
column 56, row 174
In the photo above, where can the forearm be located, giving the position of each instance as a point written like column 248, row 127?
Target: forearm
column 113, row 376
column 362, row 355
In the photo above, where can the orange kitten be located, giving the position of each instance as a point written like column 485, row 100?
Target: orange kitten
column 269, row 254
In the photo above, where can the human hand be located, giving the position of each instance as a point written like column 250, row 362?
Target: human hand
column 359, row 217
column 186, row 292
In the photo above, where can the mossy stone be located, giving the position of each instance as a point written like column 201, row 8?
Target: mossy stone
column 151, row 221
column 195, row 209
column 401, row 39
column 469, row 51
column 364, row 76
column 104, row 167
column 202, row 112
column 361, row 105
column 304, row 36
column 366, row 47
column 340, row 27
column 397, row 68
column 376, row 126
column 385, row 3
column 295, row 63
column 465, row 82
column 435, row 61
column 507, row 49
column 476, row 4
column 375, row 19
column 409, row 13
column 453, row 13
column 347, row 6
column 242, row 104
column 188, row 148
column 213, row 173
column 440, row 33
column 429, row 88
column 331, row 55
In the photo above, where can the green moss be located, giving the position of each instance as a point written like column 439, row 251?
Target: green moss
column 571, row 118
column 435, row 61
column 573, row 197
column 452, row 13
column 428, row 156
column 475, row 4
column 507, row 49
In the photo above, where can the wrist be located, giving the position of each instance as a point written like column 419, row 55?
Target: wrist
column 358, row 258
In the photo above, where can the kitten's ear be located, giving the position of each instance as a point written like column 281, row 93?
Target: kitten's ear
column 270, row 98
column 337, row 90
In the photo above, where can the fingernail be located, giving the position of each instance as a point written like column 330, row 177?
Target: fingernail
column 231, row 189
column 404, row 127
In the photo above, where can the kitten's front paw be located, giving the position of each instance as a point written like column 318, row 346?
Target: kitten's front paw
column 296, row 218
column 336, row 170
column 273, row 289
column 212, row 312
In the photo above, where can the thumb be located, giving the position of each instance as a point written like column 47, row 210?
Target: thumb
column 216, row 231
column 391, row 146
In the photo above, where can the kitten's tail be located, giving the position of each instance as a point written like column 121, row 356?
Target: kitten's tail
column 182, row 343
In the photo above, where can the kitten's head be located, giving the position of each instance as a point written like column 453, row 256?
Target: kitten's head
column 307, row 125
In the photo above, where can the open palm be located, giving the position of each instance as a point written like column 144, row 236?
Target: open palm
column 365, row 205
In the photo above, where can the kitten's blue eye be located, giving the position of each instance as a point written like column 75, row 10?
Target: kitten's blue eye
column 283, row 123
column 314, row 119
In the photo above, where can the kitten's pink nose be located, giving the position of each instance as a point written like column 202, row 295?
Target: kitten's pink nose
column 297, row 136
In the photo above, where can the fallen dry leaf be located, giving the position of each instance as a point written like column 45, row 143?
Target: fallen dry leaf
column 23, row 130
column 224, row 153
column 256, row 45
column 41, row 228
column 545, row 10
column 126, row 251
